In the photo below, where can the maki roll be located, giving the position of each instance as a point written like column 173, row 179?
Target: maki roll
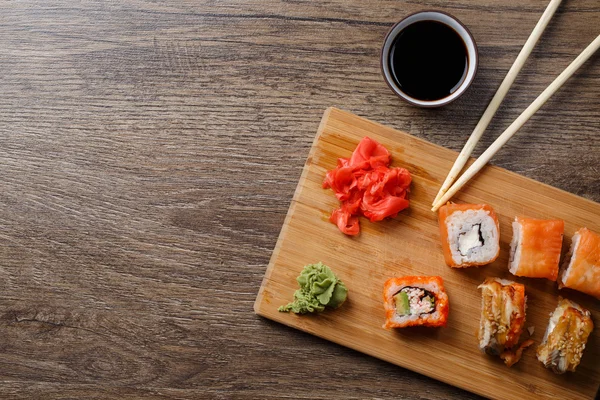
column 535, row 247
column 581, row 269
column 502, row 315
column 414, row 301
column 470, row 234
column 565, row 338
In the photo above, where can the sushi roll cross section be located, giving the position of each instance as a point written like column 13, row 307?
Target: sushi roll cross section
column 581, row 269
column 535, row 247
column 470, row 234
column 565, row 338
column 415, row 301
column 502, row 315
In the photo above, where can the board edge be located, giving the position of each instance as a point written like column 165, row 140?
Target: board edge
column 260, row 296
column 471, row 159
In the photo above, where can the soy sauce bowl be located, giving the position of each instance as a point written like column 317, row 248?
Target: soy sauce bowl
column 424, row 74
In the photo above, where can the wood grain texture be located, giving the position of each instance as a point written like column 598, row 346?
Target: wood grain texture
column 409, row 245
column 149, row 152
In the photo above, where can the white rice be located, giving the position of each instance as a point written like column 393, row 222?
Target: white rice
column 569, row 260
column 515, row 248
column 462, row 228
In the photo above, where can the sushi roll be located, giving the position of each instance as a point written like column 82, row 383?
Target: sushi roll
column 502, row 315
column 470, row 234
column 414, row 301
column 581, row 269
column 565, row 338
column 535, row 247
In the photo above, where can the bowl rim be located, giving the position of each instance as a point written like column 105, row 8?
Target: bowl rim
column 423, row 103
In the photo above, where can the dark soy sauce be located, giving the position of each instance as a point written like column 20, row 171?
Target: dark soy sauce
column 428, row 60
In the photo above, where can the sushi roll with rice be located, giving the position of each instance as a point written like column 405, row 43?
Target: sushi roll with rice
column 565, row 338
column 502, row 315
column 535, row 247
column 581, row 268
column 470, row 234
column 415, row 301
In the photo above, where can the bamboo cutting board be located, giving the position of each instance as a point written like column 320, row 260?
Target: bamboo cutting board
column 409, row 245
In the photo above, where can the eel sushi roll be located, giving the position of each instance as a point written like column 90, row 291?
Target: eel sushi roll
column 502, row 315
column 565, row 338
column 415, row 301
column 470, row 234
column 581, row 269
column 535, row 247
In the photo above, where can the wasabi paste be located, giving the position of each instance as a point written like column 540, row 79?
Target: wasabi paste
column 319, row 288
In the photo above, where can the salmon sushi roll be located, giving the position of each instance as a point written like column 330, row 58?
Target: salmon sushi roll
column 581, row 269
column 415, row 301
column 535, row 247
column 470, row 234
column 502, row 320
column 565, row 338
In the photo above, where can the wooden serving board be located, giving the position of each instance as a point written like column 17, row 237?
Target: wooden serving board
column 410, row 245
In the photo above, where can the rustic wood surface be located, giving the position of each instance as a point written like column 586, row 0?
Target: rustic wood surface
column 149, row 152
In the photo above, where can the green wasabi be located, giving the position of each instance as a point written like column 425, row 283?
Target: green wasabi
column 319, row 288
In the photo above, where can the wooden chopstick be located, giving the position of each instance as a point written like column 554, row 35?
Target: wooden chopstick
column 498, row 97
column 519, row 122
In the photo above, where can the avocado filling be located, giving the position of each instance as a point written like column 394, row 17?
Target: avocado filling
column 414, row 301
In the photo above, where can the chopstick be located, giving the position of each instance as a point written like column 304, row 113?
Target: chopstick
column 519, row 122
column 491, row 109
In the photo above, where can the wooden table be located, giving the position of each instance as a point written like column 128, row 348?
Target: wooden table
column 148, row 155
